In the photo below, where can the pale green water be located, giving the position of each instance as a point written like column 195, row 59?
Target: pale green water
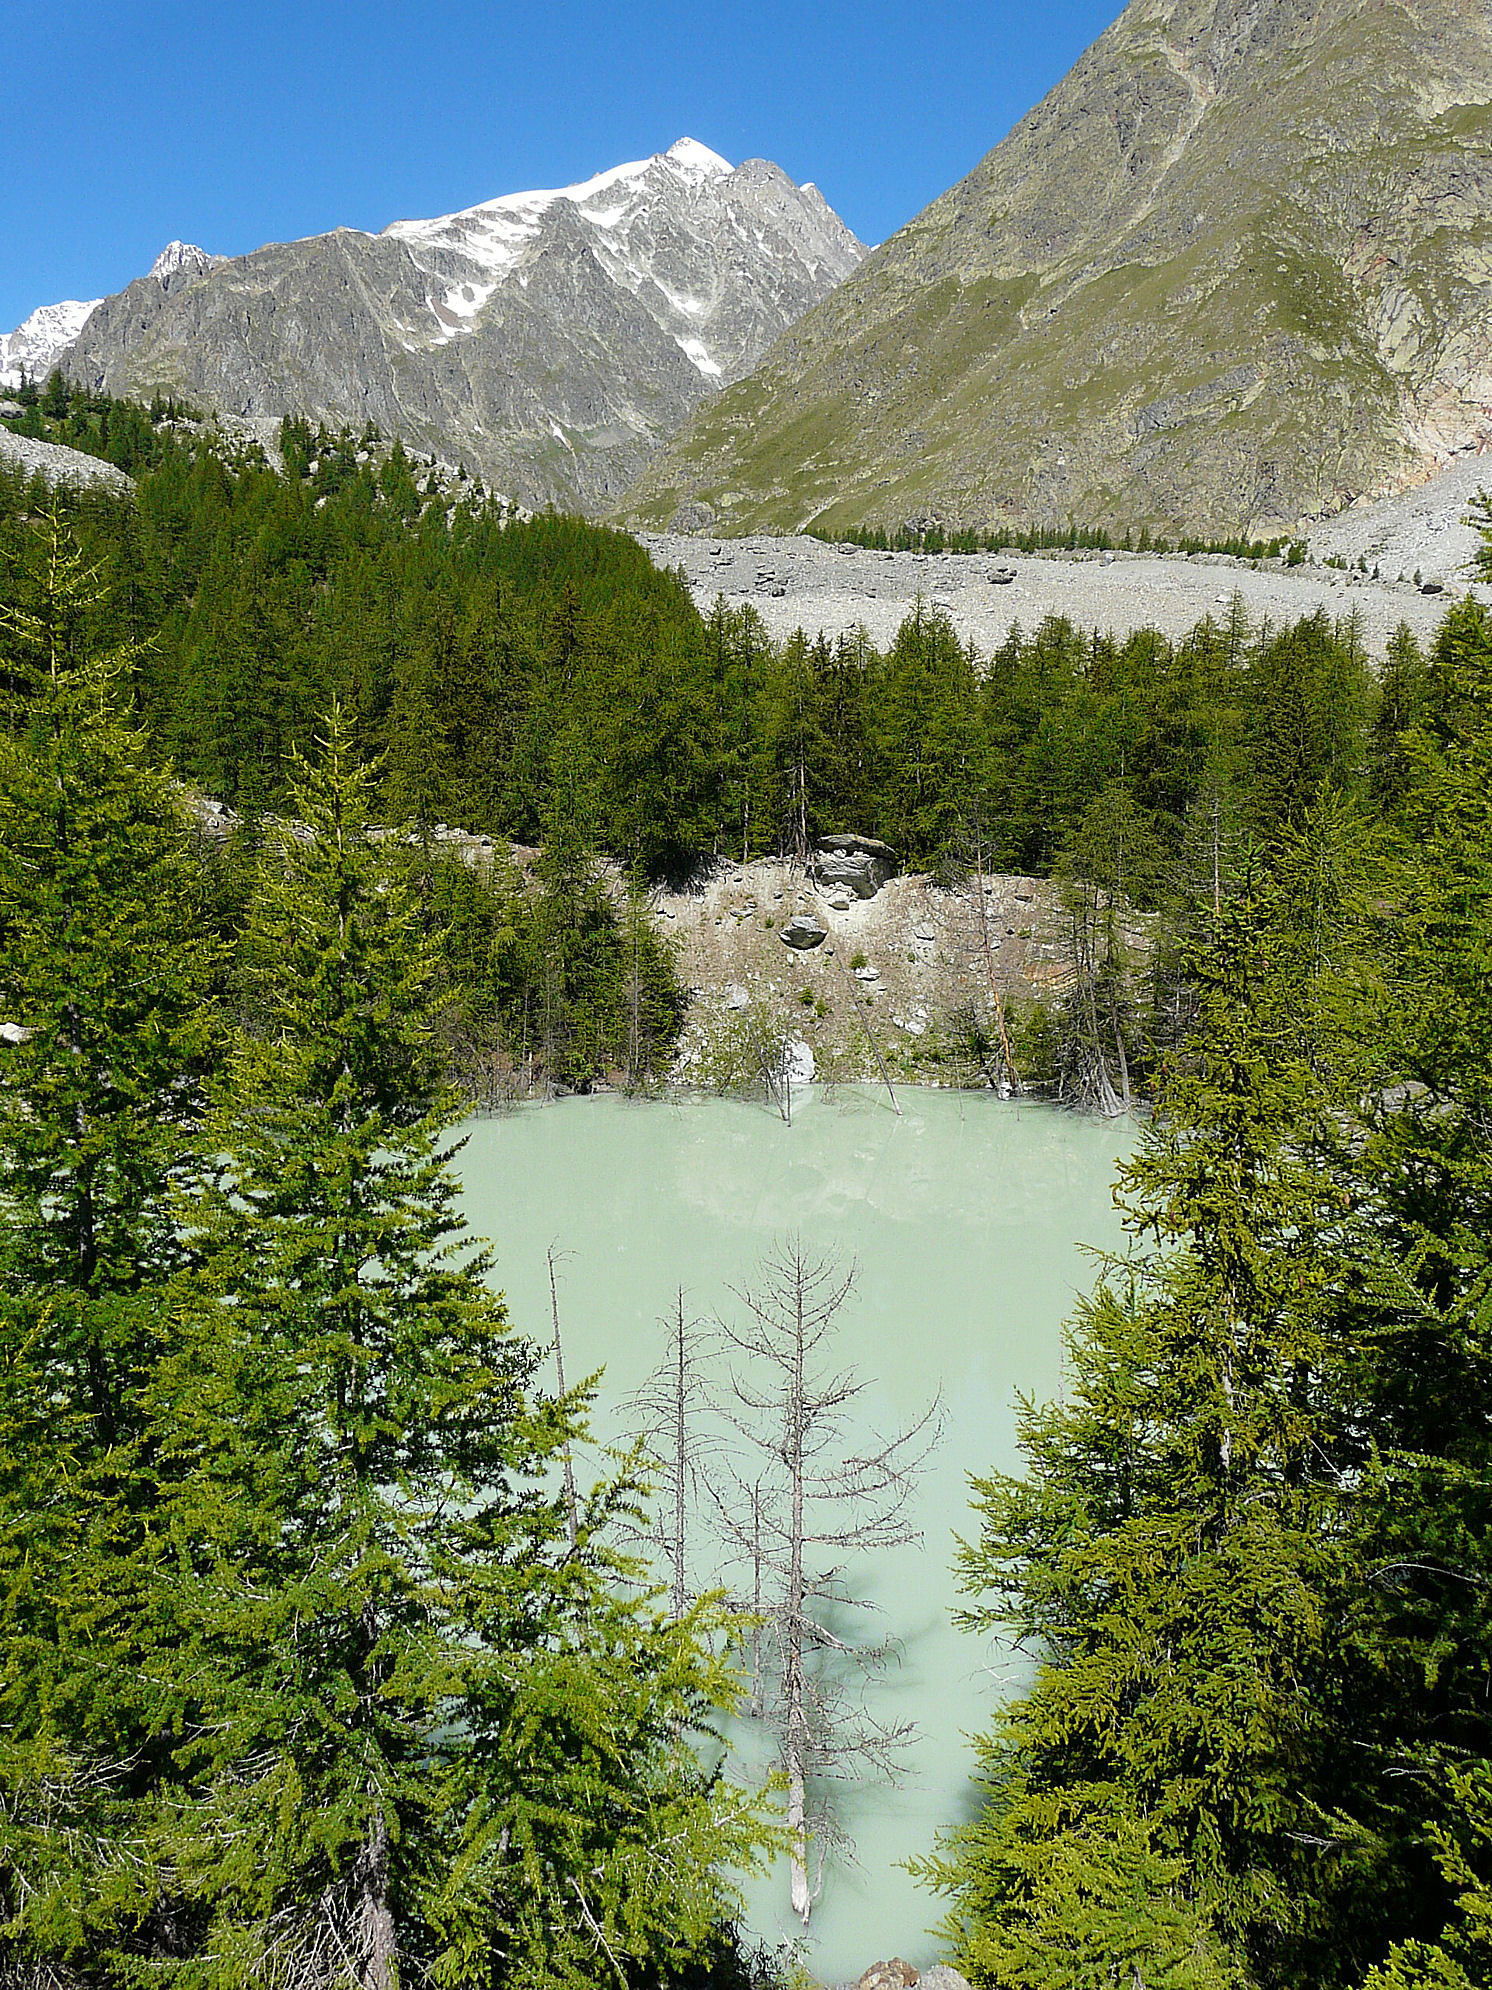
column 967, row 1217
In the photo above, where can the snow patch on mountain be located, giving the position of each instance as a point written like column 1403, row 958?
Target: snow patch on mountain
column 640, row 221
column 696, row 354
column 497, row 229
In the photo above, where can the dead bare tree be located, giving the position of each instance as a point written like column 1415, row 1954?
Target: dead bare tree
column 672, row 1411
column 1093, row 1012
column 572, row 1508
column 972, row 853
column 808, row 1500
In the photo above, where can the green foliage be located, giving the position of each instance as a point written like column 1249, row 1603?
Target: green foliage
column 1080, row 1896
column 103, row 980
column 1251, row 1557
column 1424, row 1642
column 1173, row 1555
column 366, row 1464
column 1462, row 1957
column 515, row 673
column 1308, row 708
column 910, row 538
column 1481, row 517
column 124, row 433
column 303, row 1673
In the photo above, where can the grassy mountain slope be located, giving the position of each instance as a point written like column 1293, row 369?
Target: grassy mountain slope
column 1234, row 270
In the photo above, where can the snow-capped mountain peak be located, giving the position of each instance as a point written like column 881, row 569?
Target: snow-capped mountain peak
column 550, row 339
column 496, row 231
column 181, row 256
column 35, row 343
column 646, row 223
column 692, row 157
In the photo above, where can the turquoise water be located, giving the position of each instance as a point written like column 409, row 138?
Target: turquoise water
column 966, row 1219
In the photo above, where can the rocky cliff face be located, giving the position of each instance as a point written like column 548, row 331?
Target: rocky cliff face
column 551, row 340
column 1235, row 270
column 41, row 341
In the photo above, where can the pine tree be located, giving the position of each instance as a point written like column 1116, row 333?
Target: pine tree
column 1309, row 696
column 1422, row 1634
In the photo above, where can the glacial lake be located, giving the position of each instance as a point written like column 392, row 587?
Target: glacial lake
column 970, row 1221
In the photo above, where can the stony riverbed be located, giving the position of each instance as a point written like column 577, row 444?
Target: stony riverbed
column 801, row 583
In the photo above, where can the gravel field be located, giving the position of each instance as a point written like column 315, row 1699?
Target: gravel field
column 1418, row 531
column 58, row 465
column 799, row 583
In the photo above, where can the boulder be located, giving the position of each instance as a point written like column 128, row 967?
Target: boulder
column 1000, row 576
column 803, row 931
column 871, row 845
column 943, row 1976
column 892, row 1975
column 694, row 515
column 861, row 864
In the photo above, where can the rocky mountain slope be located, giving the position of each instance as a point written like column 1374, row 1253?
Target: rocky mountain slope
column 40, row 341
column 1235, row 270
column 552, row 340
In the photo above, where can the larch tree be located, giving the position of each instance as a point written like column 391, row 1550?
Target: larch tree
column 1422, row 1635
column 426, row 1733
column 1165, row 1793
column 103, row 982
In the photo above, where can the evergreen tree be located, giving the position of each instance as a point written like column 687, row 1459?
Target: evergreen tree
column 102, row 984
column 1167, row 1786
column 925, row 739
column 1401, row 702
column 1422, row 1635
column 1309, row 698
column 423, row 1732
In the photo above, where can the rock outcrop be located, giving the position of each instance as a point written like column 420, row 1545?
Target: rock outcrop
column 858, row 864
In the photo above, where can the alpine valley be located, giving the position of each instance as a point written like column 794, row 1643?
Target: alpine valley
column 550, row 341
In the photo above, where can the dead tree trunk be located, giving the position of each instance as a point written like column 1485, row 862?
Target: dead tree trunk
column 1011, row 1078
column 572, row 1511
column 673, row 1406
column 813, row 1502
column 376, row 1933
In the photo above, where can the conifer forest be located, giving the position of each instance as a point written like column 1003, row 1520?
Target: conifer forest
column 318, row 1666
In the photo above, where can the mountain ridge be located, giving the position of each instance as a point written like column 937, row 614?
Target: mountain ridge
column 551, row 339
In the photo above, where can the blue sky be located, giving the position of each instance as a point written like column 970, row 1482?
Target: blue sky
column 228, row 124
